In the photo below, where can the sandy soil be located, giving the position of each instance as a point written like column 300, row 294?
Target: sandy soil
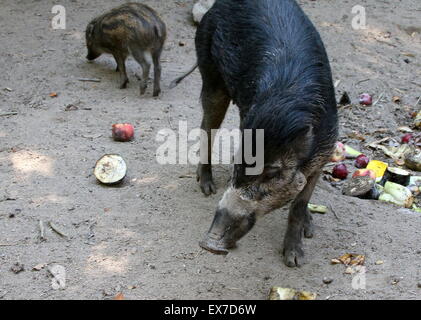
column 141, row 238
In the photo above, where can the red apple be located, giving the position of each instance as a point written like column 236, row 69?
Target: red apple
column 338, row 153
column 361, row 161
column 406, row 138
column 364, row 172
column 123, row 132
column 340, row 171
column 366, row 99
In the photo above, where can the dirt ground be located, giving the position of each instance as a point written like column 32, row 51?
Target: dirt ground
column 141, row 238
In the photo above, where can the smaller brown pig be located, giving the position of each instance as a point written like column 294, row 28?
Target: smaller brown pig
column 130, row 29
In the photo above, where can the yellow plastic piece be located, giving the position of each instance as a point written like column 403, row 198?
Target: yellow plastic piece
column 378, row 167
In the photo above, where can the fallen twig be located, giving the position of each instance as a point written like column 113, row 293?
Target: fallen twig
column 381, row 96
column 346, row 230
column 8, row 114
column 7, row 244
column 334, row 212
column 8, row 199
column 89, row 79
column 417, row 101
column 364, row 80
column 186, row 176
column 41, row 231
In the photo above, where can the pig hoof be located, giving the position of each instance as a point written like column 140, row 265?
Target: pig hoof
column 156, row 92
column 142, row 90
column 309, row 230
column 208, row 187
column 293, row 256
column 124, row 84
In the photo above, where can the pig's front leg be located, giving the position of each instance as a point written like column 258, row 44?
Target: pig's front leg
column 299, row 222
column 121, row 68
column 215, row 102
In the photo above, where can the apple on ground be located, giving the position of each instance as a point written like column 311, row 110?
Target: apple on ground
column 122, row 132
column 364, row 172
column 338, row 153
column 340, row 171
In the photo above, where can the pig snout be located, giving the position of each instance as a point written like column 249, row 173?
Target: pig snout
column 225, row 231
column 92, row 55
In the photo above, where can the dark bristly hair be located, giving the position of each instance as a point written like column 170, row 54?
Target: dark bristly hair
column 276, row 69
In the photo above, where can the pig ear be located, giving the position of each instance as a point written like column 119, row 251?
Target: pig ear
column 90, row 29
column 303, row 142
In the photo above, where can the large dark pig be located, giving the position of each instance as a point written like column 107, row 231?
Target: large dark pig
column 266, row 57
column 131, row 29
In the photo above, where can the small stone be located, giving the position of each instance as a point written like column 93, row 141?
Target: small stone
column 327, row 280
column 17, row 267
column 349, row 270
column 379, row 262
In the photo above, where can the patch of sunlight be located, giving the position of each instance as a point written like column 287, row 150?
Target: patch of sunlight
column 146, row 180
column 125, row 233
column 49, row 198
column 171, row 186
column 98, row 262
column 31, row 162
column 77, row 35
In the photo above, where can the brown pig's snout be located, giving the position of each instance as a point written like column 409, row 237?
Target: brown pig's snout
column 225, row 231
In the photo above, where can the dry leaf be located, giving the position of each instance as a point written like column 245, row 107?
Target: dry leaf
column 352, row 259
column 396, row 99
column 356, row 135
column 71, row 107
column 405, row 129
column 349, row 270
column 119, row 296
column 277, row 293
column 38, row 267
column 53, row 94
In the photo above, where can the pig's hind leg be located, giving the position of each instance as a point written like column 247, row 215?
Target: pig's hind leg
column 299, row 223
column 215, row 102
column 144, row 58
column 156, row 56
